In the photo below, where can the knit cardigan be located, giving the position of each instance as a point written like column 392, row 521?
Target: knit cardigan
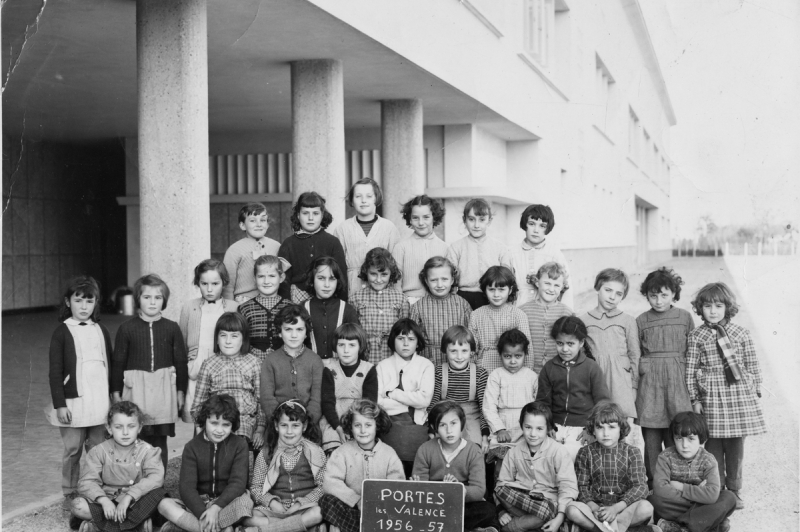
column 301, row 250
column 284, row 378
column 63, row 358
column 350, row 465
column 467, row 467
column 189, row 322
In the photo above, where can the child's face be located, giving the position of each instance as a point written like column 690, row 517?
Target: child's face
column 477, row 224
column 661, row 301
column 568, row 347
column 458, row 355
column 405, row 345
column 268, row 279
column 364, row 201
column 255, row 225
column 610, row 295
column 324, row 282
column 687, row 446
column 124, row 429
column 607, row 434
column 513, row 357
column 497, row 295
column 81, row 306
column 347, row 351
column 230, row 343
column 449, row 429
column 364, row 431
column 714, row 311
column 210, row 285
column 534, row 430
column 440, row 281
column 422, row 220
column 378, row 279
column 310, row 218
column 293, row 335
column 151, row 301
column 218, row 428
column 535, row 231
column 290, row 432
column 550, row 289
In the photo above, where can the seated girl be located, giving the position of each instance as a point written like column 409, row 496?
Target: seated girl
column 450, row 458
column 364, row 456
column 214, row 468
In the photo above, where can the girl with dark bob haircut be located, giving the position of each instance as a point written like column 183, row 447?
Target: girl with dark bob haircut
column 500, row 276
column 232, row 322
column 368, row 409
column 382, row 260
column 82, row 286
column 440, row 409
column 341, row 280
column 221, row 405
column 150, row 280
column 211, row 265
column 716, row 293
column 405, row 326
column 310, row 200
column 353, row 331
column 538, row 408
column 687, row 424
column 608, row 412
column 662, row 278
column 538, row 212
column 436, row 207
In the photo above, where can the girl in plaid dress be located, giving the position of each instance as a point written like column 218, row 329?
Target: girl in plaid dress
column 380, row 303
column 260, row 312
column 724, row 381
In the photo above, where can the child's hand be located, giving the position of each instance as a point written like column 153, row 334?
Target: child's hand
column 431, row 435
column 698, row 407
column 277, row 506
column 677, row 485
column 609, row 513
column 583, row 437
column 109, row 508
column 64, row 415
column 449, row 478
column 703, row 483
column 554, row 524
column 116, row 397
column 552, row 434
column 258, row 439
column 485, row 444
column 209, row 520
column 503, row 436
column 594, row 507
column 181, row 400
column 122, row 507
column 342, row 436
column 415, row 478
column 504, row 518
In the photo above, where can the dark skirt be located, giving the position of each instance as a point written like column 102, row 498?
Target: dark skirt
column 165, row 429
column 138, row 512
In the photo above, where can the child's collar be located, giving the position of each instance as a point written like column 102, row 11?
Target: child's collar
column 597, row 314
column 148, row 319
column 528, row 247
column 480, row 238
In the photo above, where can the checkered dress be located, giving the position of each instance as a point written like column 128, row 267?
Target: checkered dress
column 487, row 324
column 378, row 311
column 337, row 513
column 260, row 313
column 607, row 476
column 731, row 411
column 137, row 513
column 532, row 504
column 435, row 315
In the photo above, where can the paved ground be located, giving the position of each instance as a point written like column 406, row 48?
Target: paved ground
column 770, row 297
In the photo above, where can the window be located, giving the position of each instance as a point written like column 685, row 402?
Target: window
column 644, row 157
column 539, row 18
column 634, row 132
column 654, row 163
column 603, row 82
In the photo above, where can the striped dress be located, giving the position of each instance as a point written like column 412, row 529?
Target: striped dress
column 378, row 311
column 730, row 411
column 541, row 317
column 487, row 324
column 411, row 255
column 356, row 244
column 435, row 315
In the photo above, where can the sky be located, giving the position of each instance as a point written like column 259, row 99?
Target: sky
column 732, row 69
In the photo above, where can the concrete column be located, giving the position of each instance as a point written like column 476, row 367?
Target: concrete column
column 318, row 132
column 171, row 43
column 402, row 155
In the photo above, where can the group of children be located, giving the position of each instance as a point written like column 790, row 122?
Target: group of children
column 339, row 358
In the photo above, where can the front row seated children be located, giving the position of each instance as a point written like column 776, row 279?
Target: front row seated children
column 214, row 469
column 235, row 372
column 572, row 383
column 612, row 484
column 288, row 477
column 509, row 389
column 345, row 380
column 537, row 480
column 292, row 371
column 260, row 311
column 117, row 473
column 450, row 458
column 464, row 382
column 364, row 456
column 686, row 483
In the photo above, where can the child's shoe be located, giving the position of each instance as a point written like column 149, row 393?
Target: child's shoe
column 88, row 526
column 169, row 526
column 671, row 526
column 724, row 526
column 739, row 501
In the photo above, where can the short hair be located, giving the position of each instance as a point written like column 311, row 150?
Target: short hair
column 221, row 405
column 662, row 278
column 572, row 326
column 289, row 315
column 716, row 293
column 440, row 409
column 538, row 408
column 365, row 181
column 500, row 276
column 405, row 326
column 85, row 286
column 553, row 270
column 538, row 212
column 458, row 334
column 608, row 412
column 295, row 410
column 341, row 279
column 209, row 265
column 369, row 409
column 232, row 322
column 436, row 207
column 353, row 331
column 512, row 337
column 310, row 200
column 151, row 279
column 126, row 408
column 610, row 275
column 250, row 209
column 439, row 262
column 380, row 259
column 268, row 260
column 687, row 424
column 479, row 206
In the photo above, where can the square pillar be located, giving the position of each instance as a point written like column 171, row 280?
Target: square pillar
column 402, row 155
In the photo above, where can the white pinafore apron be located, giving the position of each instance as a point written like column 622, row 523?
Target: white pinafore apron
column 472, row 428
column 348, row 389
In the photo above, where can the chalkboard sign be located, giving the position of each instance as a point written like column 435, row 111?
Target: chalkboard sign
column 406, row 506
